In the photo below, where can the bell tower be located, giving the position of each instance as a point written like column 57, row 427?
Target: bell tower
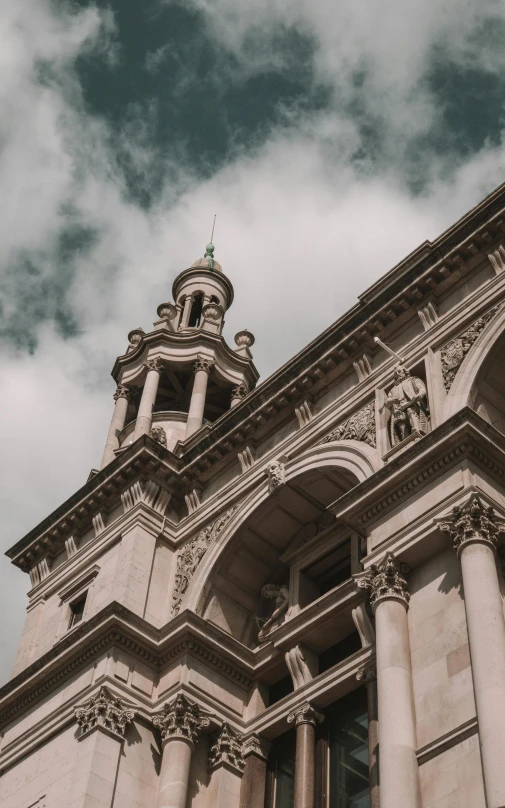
column 182, row 376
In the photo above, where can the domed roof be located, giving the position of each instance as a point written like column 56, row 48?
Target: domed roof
column 208, row 260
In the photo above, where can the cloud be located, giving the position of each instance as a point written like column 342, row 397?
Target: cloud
column 309, row 213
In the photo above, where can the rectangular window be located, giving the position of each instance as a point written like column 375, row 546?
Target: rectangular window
column 347, row 729
column 77, row 611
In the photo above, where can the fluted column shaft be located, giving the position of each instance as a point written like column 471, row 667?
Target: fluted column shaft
column 399, row 771
column 186, row 311
column 305, row 718
column 474, row 530
column 145, row 413
column 122, row 397
column 202, row 369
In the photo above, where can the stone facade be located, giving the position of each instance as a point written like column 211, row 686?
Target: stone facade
column 275, row 596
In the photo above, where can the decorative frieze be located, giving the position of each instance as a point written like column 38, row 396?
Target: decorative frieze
column 305, row 714
column 181, row 718
column 360, row 426
column 385, row 580
column 158, row 434
column 201, row 363
column 227, row 750
column 276, row 474
column 473, row 522
column 190, row 556
column 104, row 711
column 455, row 351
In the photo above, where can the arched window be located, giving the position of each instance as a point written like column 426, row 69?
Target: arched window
column 196, row 311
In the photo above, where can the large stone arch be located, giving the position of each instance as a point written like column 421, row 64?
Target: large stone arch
column 463, row 389
column 312, row 481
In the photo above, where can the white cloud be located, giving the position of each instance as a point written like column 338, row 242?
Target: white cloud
column 301, row 228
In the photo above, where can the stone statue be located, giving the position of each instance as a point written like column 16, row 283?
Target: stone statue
column 281, row 595
column 408, row 402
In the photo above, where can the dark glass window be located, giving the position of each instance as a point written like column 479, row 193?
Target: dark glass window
column 347, row 728
column 282, row 764
column 77, row 611
column 196, row 311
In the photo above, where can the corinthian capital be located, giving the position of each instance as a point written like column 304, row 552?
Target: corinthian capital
column 227, row 750
column 305, row 714
column 104, row 711
column 122, row 392
column 385, row 580
column 154, row 364
column 201, row 363
column 473, row 522
column 180, row 719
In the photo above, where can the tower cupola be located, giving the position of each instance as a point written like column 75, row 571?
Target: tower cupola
column 181, row 376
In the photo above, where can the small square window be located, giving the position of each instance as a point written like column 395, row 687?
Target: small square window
column 77, row 611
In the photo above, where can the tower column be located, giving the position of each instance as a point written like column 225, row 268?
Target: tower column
column 305, row 718
column 186, row 310
column 399, row 771
column 238, row 393
column 180, row 724
column 145, row 413
column 475, row 531
column 122, row 397
column 202, row 369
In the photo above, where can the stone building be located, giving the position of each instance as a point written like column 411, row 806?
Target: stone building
column 288, row 594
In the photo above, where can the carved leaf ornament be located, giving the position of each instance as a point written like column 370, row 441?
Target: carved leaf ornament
column 104, row 710
column 456, row 350
column 181, row 719
column 190, row 556
column 473, row 522
column 228, row 749
column 385, row 580
column 360, row 426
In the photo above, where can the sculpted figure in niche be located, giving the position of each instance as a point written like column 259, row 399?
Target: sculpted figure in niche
column 281, row 595
column 408, row 402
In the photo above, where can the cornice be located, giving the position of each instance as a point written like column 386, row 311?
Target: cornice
column 117, row 626
column 463, row 435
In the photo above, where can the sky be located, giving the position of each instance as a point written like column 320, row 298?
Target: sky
column 330, row 140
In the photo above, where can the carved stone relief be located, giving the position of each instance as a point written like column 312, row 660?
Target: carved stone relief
column 227, row 750
column 281, row 595
column 106, row 711
column 146, row 491
column 276, row 474
column 456, row 350
column 159, row 434
column 407, row 401
column 385, row 580
column 360, row 426
column 181, row 718
column 473, row 522
column 189, row 556
column 305, row 714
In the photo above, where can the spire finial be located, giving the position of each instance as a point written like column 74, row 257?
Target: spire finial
column 209, row 250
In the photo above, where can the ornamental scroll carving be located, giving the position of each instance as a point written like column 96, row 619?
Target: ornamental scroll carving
column 360, row 426
column 181, row 718
column 154, row 364
column 385, row 580
column 122, row 392
column 305, row 714
column 201, row 363
column 106, row 711
column 456, row 350
column 190, row 556
column 473, row 522
column 227, row 750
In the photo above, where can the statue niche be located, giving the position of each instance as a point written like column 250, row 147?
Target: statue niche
column 281, row 595
column 407, row 402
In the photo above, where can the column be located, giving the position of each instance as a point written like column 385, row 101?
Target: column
column 122, row 397
column 185, row 312
column 180, row 724
column 305, row 718
column 102, row 722
column 399, row 772
column 145, row 413
column 202, row 369
column 255, row 750
column 226, row 766
column 238, row 393
column 368, row 675
column 475, row 530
